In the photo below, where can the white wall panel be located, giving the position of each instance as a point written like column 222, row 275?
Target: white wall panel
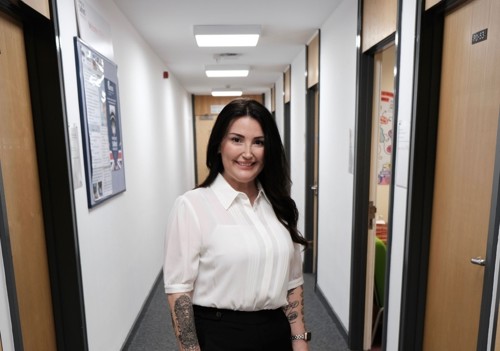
column 5, row 322
column 405, row 96
column 337, row 120
column 298, row 133
column 121, row 240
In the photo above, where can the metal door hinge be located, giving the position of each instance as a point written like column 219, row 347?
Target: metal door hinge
column 314, row 188
column 371, row 214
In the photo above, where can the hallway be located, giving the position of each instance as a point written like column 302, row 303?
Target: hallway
column 390, row 122
column 154, row 330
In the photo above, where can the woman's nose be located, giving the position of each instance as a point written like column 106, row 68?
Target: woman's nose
column 247, row 151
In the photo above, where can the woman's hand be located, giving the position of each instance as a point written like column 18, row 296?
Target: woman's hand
column 181, row 310
column 300, row 345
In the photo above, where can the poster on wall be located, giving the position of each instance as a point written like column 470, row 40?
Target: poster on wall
column 93, row 28
column 101, row 124
column 384, row 154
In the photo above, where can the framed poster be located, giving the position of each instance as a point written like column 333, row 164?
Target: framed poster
column 384, row 157
column 101, row 125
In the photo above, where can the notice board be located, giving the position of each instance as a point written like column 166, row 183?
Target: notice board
column 101, row 124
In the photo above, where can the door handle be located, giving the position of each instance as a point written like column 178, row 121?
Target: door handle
column 478, row 261
column 314, row 188
column 372, row 210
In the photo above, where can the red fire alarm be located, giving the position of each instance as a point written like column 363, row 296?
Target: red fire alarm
column 165, row 74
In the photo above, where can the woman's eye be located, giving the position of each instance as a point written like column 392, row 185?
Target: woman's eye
column 259, row 142
column 236, row 139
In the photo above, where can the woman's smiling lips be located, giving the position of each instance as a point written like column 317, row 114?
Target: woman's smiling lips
column 245, row 164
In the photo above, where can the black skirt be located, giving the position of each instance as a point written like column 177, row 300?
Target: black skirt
column 227, row 330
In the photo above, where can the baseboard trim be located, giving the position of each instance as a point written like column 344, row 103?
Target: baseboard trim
column 140, row 316
column 332, row 314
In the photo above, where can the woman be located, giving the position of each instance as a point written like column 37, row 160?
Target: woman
column 233, row 269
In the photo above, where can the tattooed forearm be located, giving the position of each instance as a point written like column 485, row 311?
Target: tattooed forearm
column 295, row 307
column 302, row 305
column 184, row 317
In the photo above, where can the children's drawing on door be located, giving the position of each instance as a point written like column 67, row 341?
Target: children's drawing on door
column 386, row 113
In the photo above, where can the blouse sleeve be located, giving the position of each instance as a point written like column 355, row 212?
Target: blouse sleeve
column 296, row 278
column 182, row 248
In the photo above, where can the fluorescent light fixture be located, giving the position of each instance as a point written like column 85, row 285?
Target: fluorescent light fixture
column 226, row 35
column 227, row 92
column 227, row 71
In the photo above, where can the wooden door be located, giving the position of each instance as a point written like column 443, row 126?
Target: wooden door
column 22, row 192
column 203, row 127
column 468, row 113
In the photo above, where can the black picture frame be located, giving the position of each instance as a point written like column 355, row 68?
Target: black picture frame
column 101, row 124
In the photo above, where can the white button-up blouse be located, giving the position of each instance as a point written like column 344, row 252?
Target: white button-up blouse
column 231, row 254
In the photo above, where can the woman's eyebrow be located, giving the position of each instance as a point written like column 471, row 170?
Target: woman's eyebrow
column 242, row 136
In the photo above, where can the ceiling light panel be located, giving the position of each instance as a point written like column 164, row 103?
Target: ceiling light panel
column 227, row 92
column 226, row 35
column 227, row 71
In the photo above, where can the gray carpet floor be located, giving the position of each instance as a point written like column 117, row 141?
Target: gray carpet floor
column 154, row 330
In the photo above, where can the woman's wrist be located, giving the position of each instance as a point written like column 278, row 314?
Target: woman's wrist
column 306, row 336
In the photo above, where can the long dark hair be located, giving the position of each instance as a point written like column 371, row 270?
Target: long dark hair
column 275, row 176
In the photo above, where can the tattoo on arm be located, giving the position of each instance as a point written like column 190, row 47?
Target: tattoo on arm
column 302, row 306
column 292, row 316
column 184, row 315
column 291, row 310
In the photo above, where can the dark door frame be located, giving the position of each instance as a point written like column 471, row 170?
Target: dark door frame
column 420, row 177
column 8, row 265
column 491, row 257
column 428, row 54
column 361, row 178
column 54, row 166
column 309, row 217
column 286, row 130
column 195, row 142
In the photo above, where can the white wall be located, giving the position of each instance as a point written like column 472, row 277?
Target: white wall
column 267, row 99
column 337, row 118
column 121, row 240
column 405, row 94
column 5, row 321
column 279, row 109
column 298, row 133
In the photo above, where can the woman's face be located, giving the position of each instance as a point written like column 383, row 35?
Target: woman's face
column 242, row 152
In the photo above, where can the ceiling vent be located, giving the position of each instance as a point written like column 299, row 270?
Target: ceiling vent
column 226, row 56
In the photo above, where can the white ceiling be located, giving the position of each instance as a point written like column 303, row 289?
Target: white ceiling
column 286, row 26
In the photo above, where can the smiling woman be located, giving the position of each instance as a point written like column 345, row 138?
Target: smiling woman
column 233, row 252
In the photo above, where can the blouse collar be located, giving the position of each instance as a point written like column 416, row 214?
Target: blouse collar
column 227, row 194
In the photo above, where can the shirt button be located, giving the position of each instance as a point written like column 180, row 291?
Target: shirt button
column 218, row 315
